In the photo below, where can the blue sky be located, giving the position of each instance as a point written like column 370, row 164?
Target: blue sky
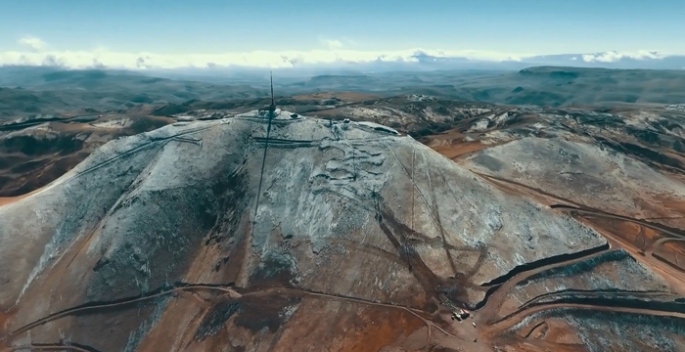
column 174, row 27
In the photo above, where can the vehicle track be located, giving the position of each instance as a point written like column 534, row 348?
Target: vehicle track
column 151, row 142
column 598, row 213
column 672, row 234
column 51, row 347
column 506, row 323
column 609, row 299
column 223, row 289
column 496, row 179
column 285, row 143
column 615, row 293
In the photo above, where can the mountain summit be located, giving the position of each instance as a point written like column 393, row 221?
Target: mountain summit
column 343, row 236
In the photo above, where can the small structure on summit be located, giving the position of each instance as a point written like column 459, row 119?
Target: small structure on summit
column 460, row 314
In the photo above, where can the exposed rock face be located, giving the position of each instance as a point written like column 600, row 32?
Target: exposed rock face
column 340, row 237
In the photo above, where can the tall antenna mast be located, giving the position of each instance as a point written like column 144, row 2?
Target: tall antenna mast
column 272, row 108
column 272, row 114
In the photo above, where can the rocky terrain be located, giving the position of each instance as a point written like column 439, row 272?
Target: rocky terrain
column 351, row 222
column 36, row 151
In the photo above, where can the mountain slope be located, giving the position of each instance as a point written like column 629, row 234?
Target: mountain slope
column 342, row 236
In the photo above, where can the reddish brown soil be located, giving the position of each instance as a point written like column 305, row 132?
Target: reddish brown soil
column 452, row 145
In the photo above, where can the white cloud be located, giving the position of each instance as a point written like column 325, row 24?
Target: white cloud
column 336, row 52
column 32, row 42
column 613, row 56
column 331, row 44
column 102, row 57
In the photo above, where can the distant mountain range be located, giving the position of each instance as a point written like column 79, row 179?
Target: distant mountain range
column 31, row 91
column 612, row 59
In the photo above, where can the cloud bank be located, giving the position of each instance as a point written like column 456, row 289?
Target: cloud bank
column 336, row 53
column 256, row 59
column 613, row 56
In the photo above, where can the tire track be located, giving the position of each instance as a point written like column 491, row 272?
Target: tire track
column 51, row 347
column 233, row 293
column 498, row 327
